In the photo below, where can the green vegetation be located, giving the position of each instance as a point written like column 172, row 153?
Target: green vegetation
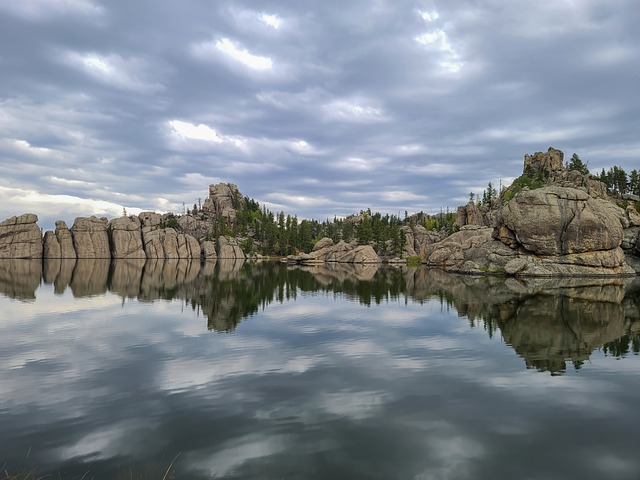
column 577, row 164
column 618, row 182
column 261, row 231
column 172, row 222
column 530, row 182
column 414, row 261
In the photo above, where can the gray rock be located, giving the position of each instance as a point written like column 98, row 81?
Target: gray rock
column 208, row 250
column 515, row 266
column 559, row 221
column 125, row 237
column 20, row 237
column 90, row 238
column 229, row 248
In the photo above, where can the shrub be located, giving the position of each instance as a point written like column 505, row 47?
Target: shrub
column 414, row 260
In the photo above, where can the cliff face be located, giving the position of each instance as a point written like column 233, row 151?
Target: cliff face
column 20, row 237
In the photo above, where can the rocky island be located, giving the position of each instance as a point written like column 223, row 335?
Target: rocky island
column 552, row 221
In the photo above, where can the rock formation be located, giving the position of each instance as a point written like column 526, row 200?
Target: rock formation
column 160, row 241
column 125, row 237
column 59, row 243
column 568, row 227
column 208, row 250
column 224, row 199
column 228, row 248
column 548, row 162
column 325, row 251
column 90, row 238
column 20, row 237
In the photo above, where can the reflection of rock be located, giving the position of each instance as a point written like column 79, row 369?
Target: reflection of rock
column 227, row 267
column 126, row 276
column 547, row 321
column 327, row 272
column 548, row 330
column 59, row 272
column 90, row 277
column 164, row 278
column 19, row 278
column 20, row 237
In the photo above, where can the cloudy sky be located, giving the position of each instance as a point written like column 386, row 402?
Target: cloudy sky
column 316, row 108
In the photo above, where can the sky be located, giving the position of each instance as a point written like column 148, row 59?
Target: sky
column 314, row 108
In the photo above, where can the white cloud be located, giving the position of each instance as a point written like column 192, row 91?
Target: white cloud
column 59, row 206
column 186, row 133
column 234, row 52
column 353, row 110
column 402, row 196
column 114, row 70
column 41, row 9
column 295, row 200
column 431, row 16
column 243, row 56
column 271, row 20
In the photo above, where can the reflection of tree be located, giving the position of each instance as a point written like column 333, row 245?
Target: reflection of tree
column 548, row 322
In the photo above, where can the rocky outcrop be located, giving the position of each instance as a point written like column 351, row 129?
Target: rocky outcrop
column 228, row 248
column 224, row 199
column 90, row 238
column 59, row 243
column 560, row 221
column 548, row 162
column 167, row 243
column 342, row 252
column 208, row 250
column 20, row 237
column 125, row 237
column 470, row 214
column 160, row 241
column 566, row 228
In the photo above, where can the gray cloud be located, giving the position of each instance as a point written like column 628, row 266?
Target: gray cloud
column 312, row 109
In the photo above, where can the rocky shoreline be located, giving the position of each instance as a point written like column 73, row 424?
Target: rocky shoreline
column 567, row 225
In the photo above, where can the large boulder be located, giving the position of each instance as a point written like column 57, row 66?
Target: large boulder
column 342, row 252
column 150, row 220
column 168, row 243
column 560, row 221
column 125, row 236
column 59, row 243
column 90, row 238
column 471, row 250
column 208, row 250
column 20, row 237
column 228, row 248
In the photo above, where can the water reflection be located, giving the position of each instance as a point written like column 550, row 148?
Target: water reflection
column 548, row 322
column 340, row 372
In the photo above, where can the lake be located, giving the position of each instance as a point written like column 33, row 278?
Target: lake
column 259, row 370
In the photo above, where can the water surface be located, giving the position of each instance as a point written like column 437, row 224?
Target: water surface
column 259, row 370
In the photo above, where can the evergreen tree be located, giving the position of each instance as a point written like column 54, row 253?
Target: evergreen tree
column 576, row 164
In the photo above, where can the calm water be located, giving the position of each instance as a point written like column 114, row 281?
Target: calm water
column 259, row 370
